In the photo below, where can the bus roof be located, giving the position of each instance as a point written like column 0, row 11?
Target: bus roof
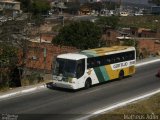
column 106, row 50
column 95, row 52
column 72, row 56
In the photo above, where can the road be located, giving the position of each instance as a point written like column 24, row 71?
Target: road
column 58, row 104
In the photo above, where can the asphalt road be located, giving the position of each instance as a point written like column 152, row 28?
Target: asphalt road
column 57, row 104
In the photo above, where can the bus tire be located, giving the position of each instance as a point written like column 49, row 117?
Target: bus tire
column 121, row 74
column 88, row 83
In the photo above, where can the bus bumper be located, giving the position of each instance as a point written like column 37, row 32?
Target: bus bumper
column 62, row 84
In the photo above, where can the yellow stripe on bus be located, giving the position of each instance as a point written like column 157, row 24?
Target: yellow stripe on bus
column 113, row 74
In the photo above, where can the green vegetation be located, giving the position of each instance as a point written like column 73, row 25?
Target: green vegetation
column 8, row 61
column 82, row 35
column 35, row 6
column 130, row 42
column 108, row 21
column 33, row 78
column 98, row 6
column 146, row 108
column 72, row 7
column 26, row 5
column 151, row 22
column 157, row 2
column 40, row 7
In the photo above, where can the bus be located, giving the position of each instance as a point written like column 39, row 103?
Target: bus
column 93, row 66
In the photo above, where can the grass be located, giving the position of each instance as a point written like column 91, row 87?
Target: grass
column 149, row 21
column 146, row 109
column 4, row 88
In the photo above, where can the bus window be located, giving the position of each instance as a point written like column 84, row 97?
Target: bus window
column 118, row 59
column 80, row 68
column 91, row 63
column 98, row 61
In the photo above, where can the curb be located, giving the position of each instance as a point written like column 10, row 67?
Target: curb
column 26, row 90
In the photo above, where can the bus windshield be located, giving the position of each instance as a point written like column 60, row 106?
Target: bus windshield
column 65, row 67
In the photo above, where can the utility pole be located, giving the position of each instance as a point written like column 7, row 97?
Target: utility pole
column 62, row 17
column 1, row 71
column 45, row 55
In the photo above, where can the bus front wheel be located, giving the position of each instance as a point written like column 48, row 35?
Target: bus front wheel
column 88, row 83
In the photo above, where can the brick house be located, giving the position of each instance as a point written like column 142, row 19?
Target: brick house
column 110, row 37
column 150, row 45
column 44, row 38
column 41, row 55
column 10, row 7
column 146, row 33
column 140, row 32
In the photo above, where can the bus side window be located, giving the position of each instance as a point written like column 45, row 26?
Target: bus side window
column 106, row 60
column 132, row 55
column 97, row 61
column 89, row 64
column 118, row 59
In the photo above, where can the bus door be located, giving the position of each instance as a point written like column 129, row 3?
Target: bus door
column 80, row 71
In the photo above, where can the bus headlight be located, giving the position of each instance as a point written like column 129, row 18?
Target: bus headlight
column 70, row 80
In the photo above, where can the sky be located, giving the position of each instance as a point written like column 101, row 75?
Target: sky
column 134, row 1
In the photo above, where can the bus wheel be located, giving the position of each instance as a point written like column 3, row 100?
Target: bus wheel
column 121, row 74
column 88, row 83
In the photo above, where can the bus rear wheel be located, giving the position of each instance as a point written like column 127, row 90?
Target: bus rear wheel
column 121, row 74
column 88, row 83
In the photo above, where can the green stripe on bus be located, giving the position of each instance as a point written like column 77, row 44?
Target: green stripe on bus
column 89, row 54
column 104, row 72
column 99, row 74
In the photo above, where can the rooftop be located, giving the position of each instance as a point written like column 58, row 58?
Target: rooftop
column 10, row 1
column 72, row 56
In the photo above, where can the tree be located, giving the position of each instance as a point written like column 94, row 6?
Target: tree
column 111, row 5
column 26, row 5
column 8, row 61
column 15, row 34
column 98, row 6
column 130, row 42
column 35, row 6
column 40, row 6
column 72, row 7
column 157, row 2
column 82, row 35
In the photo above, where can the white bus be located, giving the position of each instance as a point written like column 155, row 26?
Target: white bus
column 89, row 67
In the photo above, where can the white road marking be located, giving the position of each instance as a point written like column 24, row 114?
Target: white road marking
column 148, row 62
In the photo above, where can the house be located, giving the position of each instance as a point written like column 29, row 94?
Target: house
column 155, row 10
column 147, row 40
column 94, row 0
column 149, row 45
column 109, row 37
column 10, row 7
column 139, row 32
column 1, row 11
column 40, row 56
column 44, row 38
column 85, row 10
column 143, row 32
